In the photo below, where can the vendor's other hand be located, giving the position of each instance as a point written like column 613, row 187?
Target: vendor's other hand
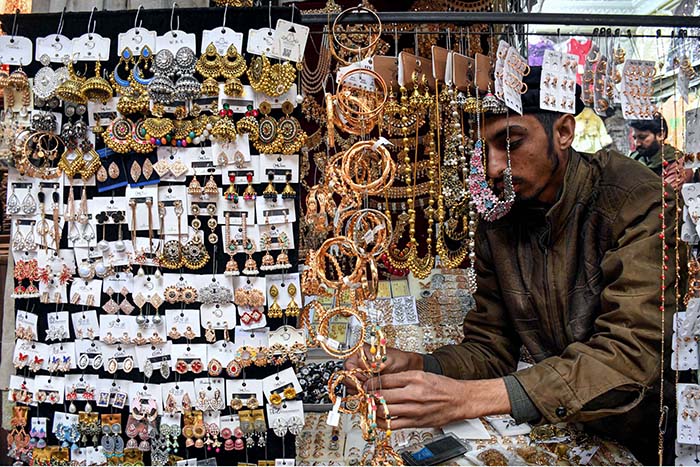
column 417, row 399
column 397, row 361
column 677, row 179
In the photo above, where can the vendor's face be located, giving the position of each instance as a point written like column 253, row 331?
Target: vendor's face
column 537, row 163
column 647, row 143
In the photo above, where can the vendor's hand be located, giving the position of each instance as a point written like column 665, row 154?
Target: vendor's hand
column 672, row 175
column 396, row 361
column 417, row 399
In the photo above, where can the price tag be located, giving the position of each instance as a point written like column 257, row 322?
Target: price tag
column 91, row 47
column 290, row 40
column 15, row 50
column 56, row 46
column 136, row 39
column 222, row 38
column 175, row 40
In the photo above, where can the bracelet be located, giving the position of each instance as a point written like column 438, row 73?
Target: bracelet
column 355, row 400
column 345, row 247
column 332, row 347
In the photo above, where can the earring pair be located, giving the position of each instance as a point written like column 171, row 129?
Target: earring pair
column 27, row 206
column 112, row 172
column 176, row 168
column 196, row 189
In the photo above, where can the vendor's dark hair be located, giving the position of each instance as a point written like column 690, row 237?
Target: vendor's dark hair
column 657, row 125
column 547, row 119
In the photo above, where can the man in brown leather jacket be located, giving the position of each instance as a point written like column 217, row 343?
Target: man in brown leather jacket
column 573, row 274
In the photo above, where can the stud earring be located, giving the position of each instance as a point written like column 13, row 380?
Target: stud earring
column 135, row 171
column 113, row 170
column 101, row 174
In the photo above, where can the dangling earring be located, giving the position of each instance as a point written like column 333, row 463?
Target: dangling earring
column 186, row 402
column 268, row 261
column 288, row 192
column 29, row 242
column 269, row 138
column 126, row 306
column 274, row 311
column 209, row 334
column 233, row 66
column 18, row 239
column 231, row 194
column 293, row 136
column 29, row 204
column 210, row 188
column 209, row 66
column 194, row 188
column 270, row 192
column 292, row 308
column 282, row 257
column 250, row 194
column 13, row 206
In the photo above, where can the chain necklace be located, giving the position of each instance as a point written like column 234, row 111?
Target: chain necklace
column 312, row 80
column 448, row 258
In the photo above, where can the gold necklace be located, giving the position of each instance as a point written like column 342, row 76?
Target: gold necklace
column 421, row 267
column 401, row 259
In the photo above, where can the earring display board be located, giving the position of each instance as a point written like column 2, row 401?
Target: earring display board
column 152, row 193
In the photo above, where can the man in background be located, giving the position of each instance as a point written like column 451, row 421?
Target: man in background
column 650, row 140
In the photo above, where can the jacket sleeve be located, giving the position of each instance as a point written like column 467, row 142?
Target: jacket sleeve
column 490, row 348
column 610, row 373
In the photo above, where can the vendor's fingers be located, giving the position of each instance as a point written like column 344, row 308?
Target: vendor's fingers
column 392, row 381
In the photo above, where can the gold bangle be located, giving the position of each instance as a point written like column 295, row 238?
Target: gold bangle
column 331, row 346
column 346, row 247
column 355, row 51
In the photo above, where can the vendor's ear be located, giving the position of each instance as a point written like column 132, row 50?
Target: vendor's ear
column 564, row 132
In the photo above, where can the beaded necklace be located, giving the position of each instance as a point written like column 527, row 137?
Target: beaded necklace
column 486, row 201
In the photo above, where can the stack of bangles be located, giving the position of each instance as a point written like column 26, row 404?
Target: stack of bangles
column 354, row 110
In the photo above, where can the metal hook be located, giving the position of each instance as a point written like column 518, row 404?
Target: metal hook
column 90, row 21
column 415, row 41
column 223, row 25
column 14, row 23
column 269, row 14
column 59, row 30
column 396, row 42
column 138, row 10
column 172, row 16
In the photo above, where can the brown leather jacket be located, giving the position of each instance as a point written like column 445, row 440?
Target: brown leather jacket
column 578, row 284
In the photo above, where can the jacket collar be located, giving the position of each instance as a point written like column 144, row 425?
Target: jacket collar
column 575, row 189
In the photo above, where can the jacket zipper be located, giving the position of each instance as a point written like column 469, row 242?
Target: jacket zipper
column 549, row 308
